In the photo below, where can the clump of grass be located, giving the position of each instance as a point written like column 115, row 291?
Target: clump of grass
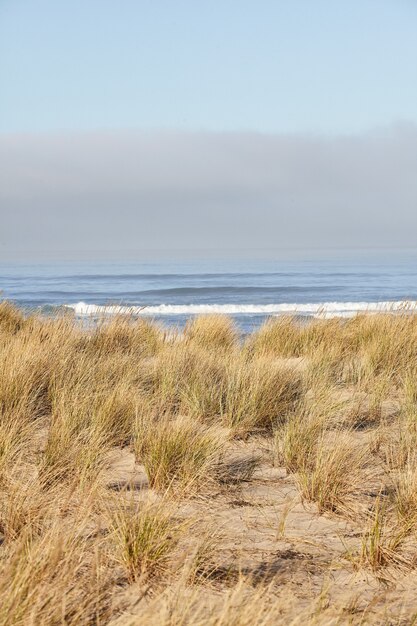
column 244, row 394
column 398, row 444
column 11, row 319
column 381, row 543
column 286, row 337
column 364, row 347
column 200, row 392
column 296, row 442
column 405, row 493
column 335, row 473
column 200, row 561
column 364, row 411
column 25, row 371
column 55, row 578
column 71, row 456
column 258, row 395
column 24, row 508
column 212, row 332
column 113, row 414
column 177, row 451
column 126, row 334
column 278, row 337
column 326, row 366
column 145, row 537
column 180, row 375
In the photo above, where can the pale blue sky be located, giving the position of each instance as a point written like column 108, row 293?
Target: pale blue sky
column 321, row 66
column 108, row 110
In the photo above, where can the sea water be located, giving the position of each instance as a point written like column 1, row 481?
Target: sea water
column 172, row 291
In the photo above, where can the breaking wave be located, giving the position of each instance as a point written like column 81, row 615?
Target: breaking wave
column 322, row 309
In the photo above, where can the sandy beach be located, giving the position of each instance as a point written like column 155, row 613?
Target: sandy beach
column 196, row 479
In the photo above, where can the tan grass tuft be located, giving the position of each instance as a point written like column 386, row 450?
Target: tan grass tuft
column 177, row 451
column 212, row 332
column 145, row 537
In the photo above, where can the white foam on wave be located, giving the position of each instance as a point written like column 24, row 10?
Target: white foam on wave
column 322, row 309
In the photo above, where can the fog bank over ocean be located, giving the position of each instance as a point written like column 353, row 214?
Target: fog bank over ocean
column 82, row 193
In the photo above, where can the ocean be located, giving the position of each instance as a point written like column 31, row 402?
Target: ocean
column 249, row 290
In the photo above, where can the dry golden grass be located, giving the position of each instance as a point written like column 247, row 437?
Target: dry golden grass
column 145, row 537
column 177, row 452
column 213, row 332
column 381, row 546
column 144, row 473
column 335, row 474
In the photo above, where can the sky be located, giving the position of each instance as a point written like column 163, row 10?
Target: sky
column 141, row 125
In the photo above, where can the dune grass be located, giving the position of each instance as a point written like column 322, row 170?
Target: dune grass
column 145, row 537
column 335, row 474
column 177, row 452
column 216, row 426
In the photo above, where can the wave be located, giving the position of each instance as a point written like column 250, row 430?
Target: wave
column 319, row 309
column 184, row 292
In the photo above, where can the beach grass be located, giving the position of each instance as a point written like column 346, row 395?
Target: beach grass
column 199, row 477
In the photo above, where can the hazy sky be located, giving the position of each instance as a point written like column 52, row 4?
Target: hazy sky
column 139, row 124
